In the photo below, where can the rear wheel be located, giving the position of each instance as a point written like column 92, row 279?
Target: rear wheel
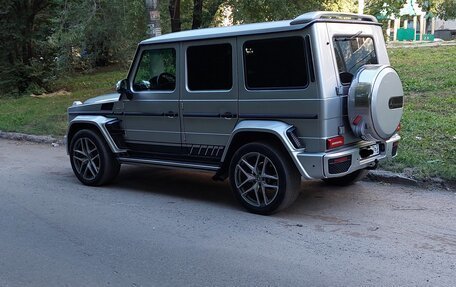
column 91, row 160
column 348, row 179
column 263, row 179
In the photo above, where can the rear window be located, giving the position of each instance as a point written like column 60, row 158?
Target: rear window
column 278, row 63
column 353, row 53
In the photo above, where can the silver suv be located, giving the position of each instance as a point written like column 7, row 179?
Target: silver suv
column 264, row 105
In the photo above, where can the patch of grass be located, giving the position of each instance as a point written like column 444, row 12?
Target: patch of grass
column 47, row 116
column 428, row 145
column 427, row 149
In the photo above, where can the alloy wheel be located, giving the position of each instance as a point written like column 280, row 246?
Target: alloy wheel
column 86, row 158
column 257, row 179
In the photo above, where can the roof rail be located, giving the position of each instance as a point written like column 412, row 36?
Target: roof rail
column 308, row 17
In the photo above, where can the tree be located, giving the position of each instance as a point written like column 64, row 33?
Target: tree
column 26, row 56
column 174, row 12
column 447, row 9
column 96, row 33
column 273, row 10
column 197, row 14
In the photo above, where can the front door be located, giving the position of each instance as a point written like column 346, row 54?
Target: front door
column 151, row 119
column 209, row 97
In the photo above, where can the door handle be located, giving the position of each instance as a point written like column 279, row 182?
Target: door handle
column 170, row 114
column 228, row 115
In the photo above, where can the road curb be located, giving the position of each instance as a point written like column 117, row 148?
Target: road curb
column 403, row 179
column 31, row 138
column 391, row 177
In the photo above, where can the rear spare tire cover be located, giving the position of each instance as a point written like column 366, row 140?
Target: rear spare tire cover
column 375, row 102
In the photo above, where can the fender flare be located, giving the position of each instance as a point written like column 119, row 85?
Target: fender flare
column 99, row 122
column 276, row 128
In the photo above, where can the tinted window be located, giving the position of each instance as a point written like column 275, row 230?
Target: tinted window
column 275, row 63
column 156, row 71
column 352, row 53
column 209, row 67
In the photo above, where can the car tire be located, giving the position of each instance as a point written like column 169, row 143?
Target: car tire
column 263, row 179
column 92, row 161
column 348, row 179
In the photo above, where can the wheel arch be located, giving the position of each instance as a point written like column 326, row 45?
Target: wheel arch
column 94, row 123
column 274, row 132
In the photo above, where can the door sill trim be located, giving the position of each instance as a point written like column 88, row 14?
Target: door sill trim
column 168, row 163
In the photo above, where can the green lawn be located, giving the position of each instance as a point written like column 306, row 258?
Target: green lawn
column 428, row 145
column 47, row 116
column 427, row 149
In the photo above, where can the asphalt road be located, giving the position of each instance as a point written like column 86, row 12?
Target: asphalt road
column 158, row 227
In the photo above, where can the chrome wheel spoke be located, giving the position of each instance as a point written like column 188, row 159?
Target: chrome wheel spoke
column 264, row 175
column 265, row 198
column 79, row 152
column 256, row 195
column 256, row 162
column 243, row 171
column 249, row 190
column 270, row 186
column 85, row 170
column 249, row 165
column 79, row 158
column 245, row 181
column 94, row 167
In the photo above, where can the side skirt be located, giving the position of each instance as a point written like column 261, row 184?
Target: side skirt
column 170, row 163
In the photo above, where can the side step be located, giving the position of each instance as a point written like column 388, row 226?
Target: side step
column 169, row 163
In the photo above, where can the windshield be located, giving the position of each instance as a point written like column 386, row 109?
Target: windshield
column 352, row 53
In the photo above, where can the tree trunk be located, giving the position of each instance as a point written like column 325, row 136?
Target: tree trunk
column 174, row 12
column 197, row 14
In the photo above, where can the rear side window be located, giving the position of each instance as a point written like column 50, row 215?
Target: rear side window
column 275, row 63
column 209, row 67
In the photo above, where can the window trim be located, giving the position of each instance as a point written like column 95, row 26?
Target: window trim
column 138, row 64
column 209, row 91
column 306, row 67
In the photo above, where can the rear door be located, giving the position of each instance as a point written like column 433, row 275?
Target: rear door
column 209, row 96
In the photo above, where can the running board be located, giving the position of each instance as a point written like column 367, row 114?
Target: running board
column 168, row 163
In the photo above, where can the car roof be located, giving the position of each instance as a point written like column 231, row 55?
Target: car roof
column 298, row 23
column 222, row 32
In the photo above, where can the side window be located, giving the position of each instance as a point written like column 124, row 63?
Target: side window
column 278, row 63
column 156, row 71
column 209, row 67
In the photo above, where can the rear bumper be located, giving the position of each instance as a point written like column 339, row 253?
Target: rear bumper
column 317, row 165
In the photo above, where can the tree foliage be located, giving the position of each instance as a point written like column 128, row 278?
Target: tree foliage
column 26, row 55
column 40, row 38
column 98, row 32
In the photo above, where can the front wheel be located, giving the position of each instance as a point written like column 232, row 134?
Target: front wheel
column 263, row 179
column 348, row 179
column 91, row 160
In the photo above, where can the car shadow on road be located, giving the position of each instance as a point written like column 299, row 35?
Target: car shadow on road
column 181, row 184
column 199, row 186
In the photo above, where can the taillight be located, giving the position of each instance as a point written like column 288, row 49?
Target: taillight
column 398, row 127
column 334, row 142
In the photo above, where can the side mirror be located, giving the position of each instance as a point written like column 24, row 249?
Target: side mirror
column 123, row 88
